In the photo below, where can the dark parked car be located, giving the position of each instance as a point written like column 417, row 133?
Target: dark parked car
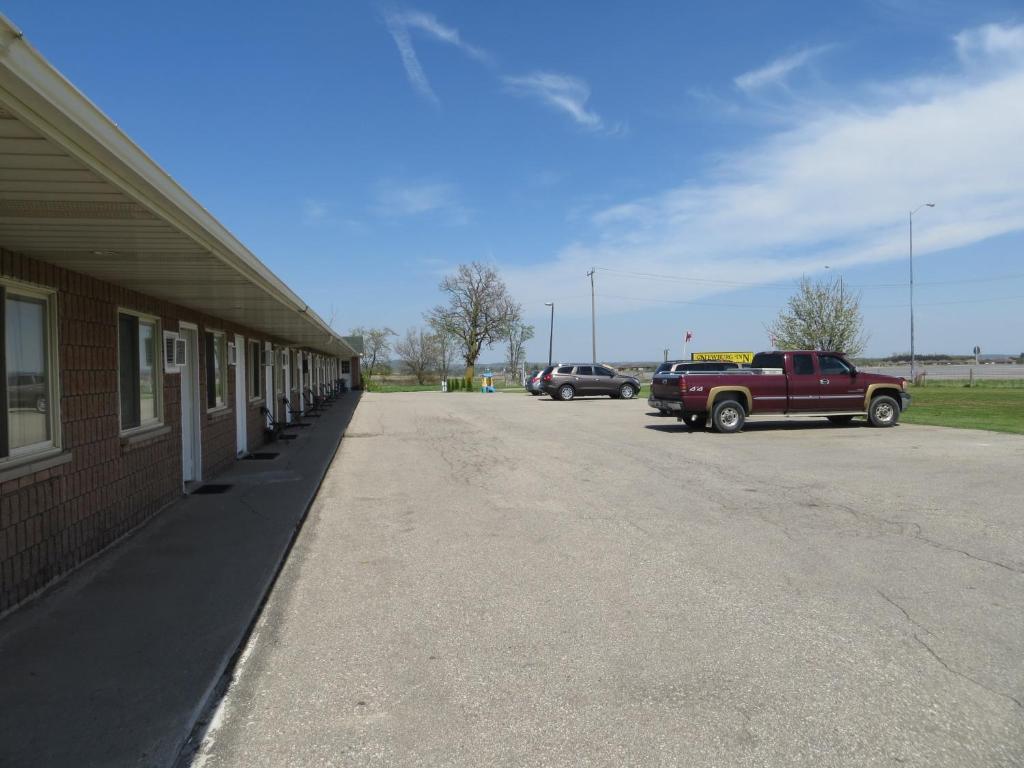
column 27, row 390
column 535, row 383
column 569, row 380
column 686, row 366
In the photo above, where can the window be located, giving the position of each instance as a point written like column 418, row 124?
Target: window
column 803, row 365
column 833, row 365
column 565, row 369
column 216, row 370
column 255, row 371
column 584, row 370
column 138, row 374
column 346, row 366
column 768, row 360
column 27, row 422
column 599, row 371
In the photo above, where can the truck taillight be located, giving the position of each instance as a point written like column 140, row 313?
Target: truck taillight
column 682, row 383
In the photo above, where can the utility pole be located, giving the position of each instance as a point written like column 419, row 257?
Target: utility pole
column 593, row 317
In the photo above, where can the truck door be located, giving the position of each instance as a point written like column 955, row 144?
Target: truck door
column 840, row 389
column 804, row 384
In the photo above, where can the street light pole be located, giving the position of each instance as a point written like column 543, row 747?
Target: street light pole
column 551, row 333
column 913, row 357
column 593, row 317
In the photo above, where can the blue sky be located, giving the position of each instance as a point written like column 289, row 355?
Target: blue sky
column 702, row 156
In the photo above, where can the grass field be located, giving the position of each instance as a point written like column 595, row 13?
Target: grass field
column 998, row 406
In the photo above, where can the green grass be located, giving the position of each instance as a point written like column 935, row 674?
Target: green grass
column 997, row 406
column 389, row 387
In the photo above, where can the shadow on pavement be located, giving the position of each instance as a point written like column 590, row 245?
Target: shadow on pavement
column 114, row 665
column 788, row 425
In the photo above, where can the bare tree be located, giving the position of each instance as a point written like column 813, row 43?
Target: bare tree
column 518, row 334
column 821, row 315
column 444, row 345
column 418, row 351
column 376, row 348
column 480, row 310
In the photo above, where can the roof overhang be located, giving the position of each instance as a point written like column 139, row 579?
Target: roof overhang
column 75, row 191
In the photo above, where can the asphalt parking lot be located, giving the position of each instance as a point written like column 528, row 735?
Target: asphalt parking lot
column 506, row 580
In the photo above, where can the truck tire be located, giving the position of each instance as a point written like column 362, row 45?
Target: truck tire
column 840, row 420
column 566, row 392
column 727, row 416
column 883, row 412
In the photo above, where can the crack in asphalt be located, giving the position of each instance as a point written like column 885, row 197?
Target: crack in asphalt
column 932, row 652
column 965, row 553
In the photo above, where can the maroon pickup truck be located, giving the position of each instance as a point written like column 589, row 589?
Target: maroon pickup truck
column 804, row 383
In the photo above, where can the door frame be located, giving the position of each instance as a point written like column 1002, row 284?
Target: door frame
column 191, row 335
column 241, row 398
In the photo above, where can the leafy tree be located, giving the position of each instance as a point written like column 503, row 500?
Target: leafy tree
column 376, row 348
column 479, row 312
column 822, row 315
column 418, row 351
column 518, row 334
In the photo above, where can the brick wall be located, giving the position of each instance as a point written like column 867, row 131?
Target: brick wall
column 58, row 517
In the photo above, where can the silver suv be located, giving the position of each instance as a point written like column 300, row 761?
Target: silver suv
column 569, row 380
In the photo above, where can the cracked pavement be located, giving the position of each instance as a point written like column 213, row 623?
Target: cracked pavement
column 506, row 580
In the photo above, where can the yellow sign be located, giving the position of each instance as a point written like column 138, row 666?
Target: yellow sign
column 732, row 357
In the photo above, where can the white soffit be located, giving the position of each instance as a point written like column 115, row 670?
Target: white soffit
column 77, row 193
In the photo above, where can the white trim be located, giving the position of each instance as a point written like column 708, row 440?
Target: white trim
column 48, row 296
column 158, row 373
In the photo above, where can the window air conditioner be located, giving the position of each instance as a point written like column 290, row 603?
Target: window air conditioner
column 171, row 341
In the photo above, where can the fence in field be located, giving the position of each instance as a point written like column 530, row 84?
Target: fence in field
column 955, row 372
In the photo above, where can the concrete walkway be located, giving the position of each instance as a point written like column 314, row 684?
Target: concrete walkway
column 114, row 666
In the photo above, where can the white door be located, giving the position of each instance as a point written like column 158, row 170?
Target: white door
column 191, row 447
column 268, row 352
column 241, row 397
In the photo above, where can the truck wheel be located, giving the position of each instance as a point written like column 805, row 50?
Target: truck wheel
column 727, row 416
column 626, row 391
column 566, row 392
column 884, row 412
column 840, row 419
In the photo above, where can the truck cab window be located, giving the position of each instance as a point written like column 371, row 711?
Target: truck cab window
column 803, row 365
column 833, row 365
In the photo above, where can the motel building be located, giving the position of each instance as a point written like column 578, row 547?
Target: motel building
column 140, row 339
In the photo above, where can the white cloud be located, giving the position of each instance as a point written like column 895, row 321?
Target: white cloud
column 400, row 24
column 776, row 72
column 992, row 41
column 428, row 24
column 835, row 190
column 401, row 200
column 565, row 93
